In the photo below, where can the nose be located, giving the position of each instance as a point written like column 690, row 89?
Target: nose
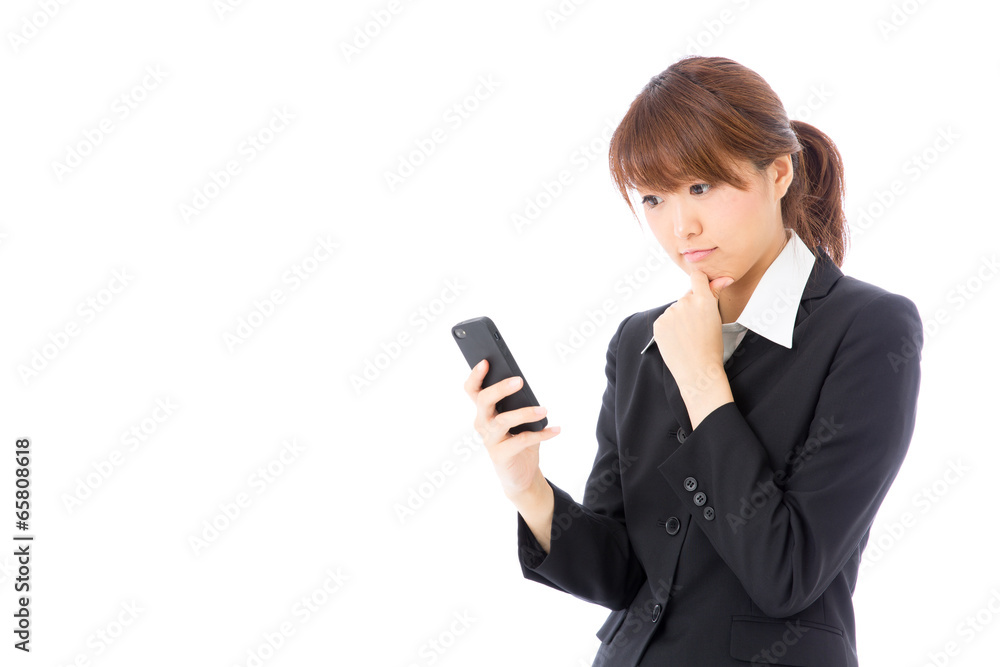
column 684, row 219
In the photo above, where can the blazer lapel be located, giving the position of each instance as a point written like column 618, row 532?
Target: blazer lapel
column 753, row 346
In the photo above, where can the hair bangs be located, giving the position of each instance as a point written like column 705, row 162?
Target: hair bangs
column 665, row 142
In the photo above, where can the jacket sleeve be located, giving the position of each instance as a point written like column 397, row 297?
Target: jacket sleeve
column 590, row 555
column 787, row 533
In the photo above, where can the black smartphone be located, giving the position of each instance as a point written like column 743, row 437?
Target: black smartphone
column 479, row 339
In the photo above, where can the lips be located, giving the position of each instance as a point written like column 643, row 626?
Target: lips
column 697, row 255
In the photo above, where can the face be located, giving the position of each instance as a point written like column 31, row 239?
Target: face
column 743, row 231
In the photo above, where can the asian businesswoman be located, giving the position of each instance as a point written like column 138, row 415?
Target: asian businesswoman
column 751, row 428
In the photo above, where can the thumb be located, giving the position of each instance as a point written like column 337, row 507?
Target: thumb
column 720, row 284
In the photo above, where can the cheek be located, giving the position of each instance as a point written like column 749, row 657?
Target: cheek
column 743, row 214
column 734, row 223
column 661, row 231
column 668, row 243
column 728, row 214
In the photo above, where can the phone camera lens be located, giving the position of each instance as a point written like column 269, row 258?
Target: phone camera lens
column 459, row 333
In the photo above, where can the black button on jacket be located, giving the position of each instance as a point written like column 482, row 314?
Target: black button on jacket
column 793, row 472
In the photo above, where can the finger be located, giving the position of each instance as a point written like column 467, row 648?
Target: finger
column 515, row 444
column 488, row 397
column 511, row 418
column 720, row 284
column 475, row 380
column 699, row 283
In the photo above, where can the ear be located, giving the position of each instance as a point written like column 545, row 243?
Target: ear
column 781, row 174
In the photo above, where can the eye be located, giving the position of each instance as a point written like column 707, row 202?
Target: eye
column 653, row 200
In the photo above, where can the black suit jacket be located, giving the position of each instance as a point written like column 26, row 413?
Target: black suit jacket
column 739, row 542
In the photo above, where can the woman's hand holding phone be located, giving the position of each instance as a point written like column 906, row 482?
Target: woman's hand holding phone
column 515, row 457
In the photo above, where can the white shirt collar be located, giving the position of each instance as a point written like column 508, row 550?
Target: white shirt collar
column 773, row 305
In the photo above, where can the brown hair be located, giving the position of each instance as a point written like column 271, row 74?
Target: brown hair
column 701, row 117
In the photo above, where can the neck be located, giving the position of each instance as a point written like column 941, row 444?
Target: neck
column 734, row 298
column 732, row 304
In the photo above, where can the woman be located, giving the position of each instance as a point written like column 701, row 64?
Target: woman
column 750, row 429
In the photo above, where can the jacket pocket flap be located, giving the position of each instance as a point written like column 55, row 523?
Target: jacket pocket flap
column 611, row 625
column 797, row 643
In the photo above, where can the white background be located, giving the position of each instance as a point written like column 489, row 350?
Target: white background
column 442, row 242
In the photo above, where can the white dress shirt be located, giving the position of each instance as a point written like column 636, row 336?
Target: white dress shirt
column 774, row 303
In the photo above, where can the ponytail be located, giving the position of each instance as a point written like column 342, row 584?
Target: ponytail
column 813, row 205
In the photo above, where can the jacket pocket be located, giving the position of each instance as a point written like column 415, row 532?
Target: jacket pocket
column 611, row 625
column 793, row 642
